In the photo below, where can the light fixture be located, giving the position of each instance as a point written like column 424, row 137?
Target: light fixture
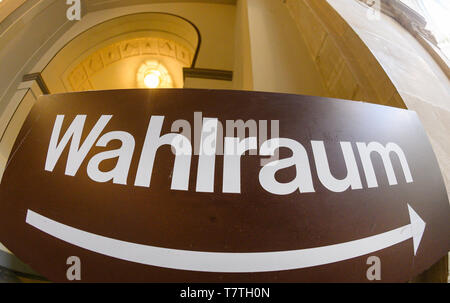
column 152, row 79
column 152, row 74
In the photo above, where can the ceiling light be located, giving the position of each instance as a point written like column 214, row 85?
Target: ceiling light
column 152, row 74
column 152, row 79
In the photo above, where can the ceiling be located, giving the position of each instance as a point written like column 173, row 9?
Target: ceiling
column 110, row 54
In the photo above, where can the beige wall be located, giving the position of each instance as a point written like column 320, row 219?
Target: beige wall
column 420, row 82
column 21, row 104
column 8, row 6
column 242, row 69
column 21, row 45
column 279, row 57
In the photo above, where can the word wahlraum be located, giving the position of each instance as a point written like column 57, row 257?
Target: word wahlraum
column 234, row 149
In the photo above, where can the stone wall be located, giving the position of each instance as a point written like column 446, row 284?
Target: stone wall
column 347, row 67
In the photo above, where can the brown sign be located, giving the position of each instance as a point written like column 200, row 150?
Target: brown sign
column 222, row 186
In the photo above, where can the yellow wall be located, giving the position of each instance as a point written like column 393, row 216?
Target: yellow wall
column 279, row 56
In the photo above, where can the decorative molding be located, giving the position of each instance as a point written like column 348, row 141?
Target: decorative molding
column 79, row 76
column 205, row 73
column 348, row 69
column 39, row 80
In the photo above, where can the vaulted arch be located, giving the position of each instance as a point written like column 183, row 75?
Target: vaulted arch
column 111, row 54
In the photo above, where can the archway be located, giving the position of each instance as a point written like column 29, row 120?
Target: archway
column 119, row 52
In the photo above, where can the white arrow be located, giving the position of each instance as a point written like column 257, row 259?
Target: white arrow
column 229, row 262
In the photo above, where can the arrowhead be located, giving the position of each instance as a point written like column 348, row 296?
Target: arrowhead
column 417, row 227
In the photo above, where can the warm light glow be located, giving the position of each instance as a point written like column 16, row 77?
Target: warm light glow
column 152, row 79
column 152, row 74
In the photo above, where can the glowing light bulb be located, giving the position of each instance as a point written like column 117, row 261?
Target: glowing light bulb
column 152, row 79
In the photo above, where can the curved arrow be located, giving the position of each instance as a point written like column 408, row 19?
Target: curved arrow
column 225, row 261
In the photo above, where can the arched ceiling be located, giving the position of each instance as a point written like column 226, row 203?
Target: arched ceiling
column 109, row 55
column 116, row 65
